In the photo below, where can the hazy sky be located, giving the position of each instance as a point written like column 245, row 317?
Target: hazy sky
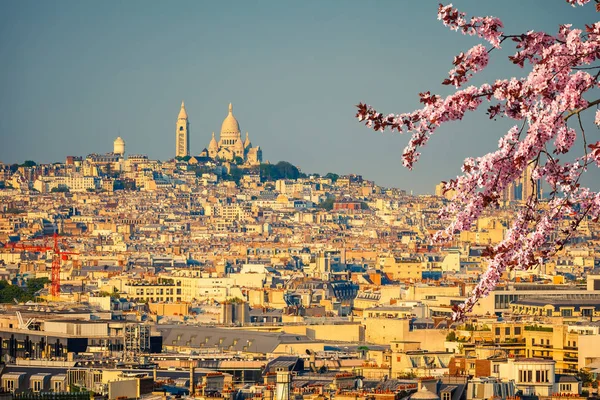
column 76, row 74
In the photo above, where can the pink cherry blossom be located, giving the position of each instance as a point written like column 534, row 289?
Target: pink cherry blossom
column 547, row 105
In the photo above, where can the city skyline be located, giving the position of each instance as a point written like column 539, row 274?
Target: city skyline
column 294, row 72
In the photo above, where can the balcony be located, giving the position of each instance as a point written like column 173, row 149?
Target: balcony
column 545, row 346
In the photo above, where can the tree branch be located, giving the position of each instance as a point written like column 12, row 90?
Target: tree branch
column 576, row 112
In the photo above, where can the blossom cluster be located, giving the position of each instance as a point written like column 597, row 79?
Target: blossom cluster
column 544, row 102
column 466, row 65
column 487, row 28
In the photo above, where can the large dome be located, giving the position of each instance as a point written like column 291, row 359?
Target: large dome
column 230, row 124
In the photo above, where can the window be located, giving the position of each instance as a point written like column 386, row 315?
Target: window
column 446, row 396
column 507, row 331
column 565, row 387
column 497, row 331
column 525, row 376
column 37, row 386
column 517, row 330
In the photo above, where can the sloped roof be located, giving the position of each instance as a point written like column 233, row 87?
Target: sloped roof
column 228, row 339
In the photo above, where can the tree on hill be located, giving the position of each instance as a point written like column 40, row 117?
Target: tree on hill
column 235, row 174
column 281, row 170
column 332, row 176
column 327, row 204
column 183, row 158
column 547, row 139
column 28, row 163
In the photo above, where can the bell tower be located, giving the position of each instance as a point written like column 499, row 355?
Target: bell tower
column 182, row 134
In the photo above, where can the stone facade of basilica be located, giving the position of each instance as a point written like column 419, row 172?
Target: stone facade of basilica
column 230, row 145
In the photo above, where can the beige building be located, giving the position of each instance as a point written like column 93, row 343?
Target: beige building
column 401, row 268
column 230, row 145
column 383, row 330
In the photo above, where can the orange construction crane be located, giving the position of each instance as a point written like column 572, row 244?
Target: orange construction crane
column 57, row 256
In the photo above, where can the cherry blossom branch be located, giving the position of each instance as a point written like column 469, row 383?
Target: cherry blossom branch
column 544, row 100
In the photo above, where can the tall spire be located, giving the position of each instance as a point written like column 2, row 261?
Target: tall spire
column 182, row 112
column 230, row 108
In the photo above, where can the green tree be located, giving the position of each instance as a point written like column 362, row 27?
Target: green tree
column 332, row 176
column 268, row 172
column 451, row 336
column 35, row 284
column 9, row 292
column 327, row 204
column 60, row 189
column 235, row 174
column 281, row 170
column 199, row 170
column 28, row 163
column 287, row 170
column 586, row 377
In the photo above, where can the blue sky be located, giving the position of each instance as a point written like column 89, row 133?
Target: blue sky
column 76, row 74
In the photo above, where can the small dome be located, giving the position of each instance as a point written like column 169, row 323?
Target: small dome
column 182, row 112
column 213, row 143
column 119, row 141
column 247, row 143
column 239, row 145
column 425, row 394
column 230, row 124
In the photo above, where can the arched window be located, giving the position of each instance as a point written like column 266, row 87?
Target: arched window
column 181, row 128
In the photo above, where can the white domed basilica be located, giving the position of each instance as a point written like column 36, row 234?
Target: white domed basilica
column 230, row 145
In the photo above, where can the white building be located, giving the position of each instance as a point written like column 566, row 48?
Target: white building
column 531, row 375
column 73, row 183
